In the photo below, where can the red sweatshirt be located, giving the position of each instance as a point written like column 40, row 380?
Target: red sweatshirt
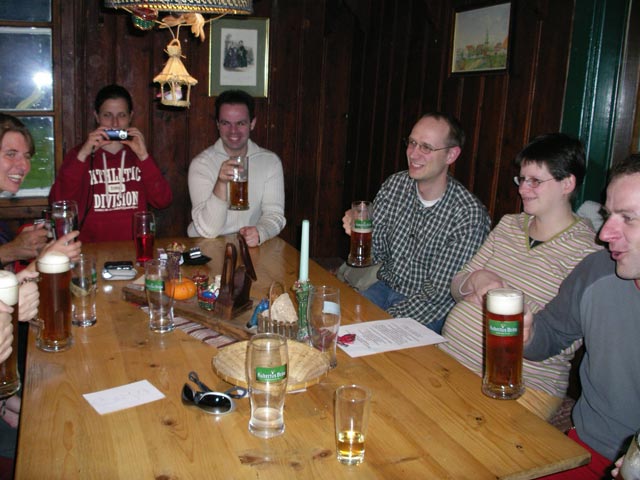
column 109, row 188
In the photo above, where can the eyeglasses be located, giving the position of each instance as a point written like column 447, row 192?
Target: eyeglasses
column 531, row 182
column 216, row 403
column 423, row 147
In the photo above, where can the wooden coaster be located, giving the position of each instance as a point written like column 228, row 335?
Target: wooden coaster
column 306, row 365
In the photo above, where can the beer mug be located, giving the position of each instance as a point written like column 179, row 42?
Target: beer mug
column 504, row 309
column 361, row 232
column 64, row 214
column 54, row 334
column 9, row 376
column 239, row 185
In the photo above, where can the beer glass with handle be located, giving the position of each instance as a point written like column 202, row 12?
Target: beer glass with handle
column 9, row 376
column 361, row 232
column 54, row 334
column 239, row 185
column 504, row 309
column 64, row 214
column 267, row 364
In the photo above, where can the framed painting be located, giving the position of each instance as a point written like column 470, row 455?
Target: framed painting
column 239, row 56
column 481, row 39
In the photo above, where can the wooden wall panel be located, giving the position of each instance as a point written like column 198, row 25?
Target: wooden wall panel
column 348, row 79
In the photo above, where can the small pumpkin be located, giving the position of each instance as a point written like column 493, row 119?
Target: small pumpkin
column 181, row 288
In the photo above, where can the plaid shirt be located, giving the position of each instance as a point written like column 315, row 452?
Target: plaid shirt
column 422, row 248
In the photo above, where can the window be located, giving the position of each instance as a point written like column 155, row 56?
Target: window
column 26, row 76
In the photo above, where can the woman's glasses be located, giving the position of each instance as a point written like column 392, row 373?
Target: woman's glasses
column 215, row 403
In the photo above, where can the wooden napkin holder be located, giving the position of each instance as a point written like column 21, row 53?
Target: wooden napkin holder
column 235, row 282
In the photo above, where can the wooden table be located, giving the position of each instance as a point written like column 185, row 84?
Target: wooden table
column 429, row 417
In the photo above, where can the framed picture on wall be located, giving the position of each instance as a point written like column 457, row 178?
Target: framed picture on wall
column 239, row 56
column 481, row 39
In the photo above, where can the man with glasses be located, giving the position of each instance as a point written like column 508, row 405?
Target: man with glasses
column 600, row 302
column 211, row 171
column 426, row 225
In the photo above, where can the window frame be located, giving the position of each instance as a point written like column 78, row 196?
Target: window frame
column 31, row 207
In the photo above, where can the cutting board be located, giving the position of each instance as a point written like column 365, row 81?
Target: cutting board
column 189, row 309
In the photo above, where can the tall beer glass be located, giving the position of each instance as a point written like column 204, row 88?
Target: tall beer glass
column 144, row 234
column 267, row 375
column 156, row 276
column 54, row 334
column 503, row 348
column 65, row 217
column 361, row 232
column 239, row 185
column 9, row 376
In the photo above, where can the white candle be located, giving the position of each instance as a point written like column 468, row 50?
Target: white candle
column 304, row 253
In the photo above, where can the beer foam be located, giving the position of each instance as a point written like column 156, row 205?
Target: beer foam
column 53, row 262
column 8, row 288
column 505, row 301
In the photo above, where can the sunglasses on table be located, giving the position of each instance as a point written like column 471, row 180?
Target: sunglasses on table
column 215, row 403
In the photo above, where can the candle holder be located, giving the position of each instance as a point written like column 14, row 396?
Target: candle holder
column 302, row 290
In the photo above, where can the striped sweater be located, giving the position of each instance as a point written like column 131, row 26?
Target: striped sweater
column 538, row 272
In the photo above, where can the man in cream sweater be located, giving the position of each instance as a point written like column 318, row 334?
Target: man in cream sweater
column 211, row 171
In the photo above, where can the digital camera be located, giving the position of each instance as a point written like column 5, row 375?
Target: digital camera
column 115, row 134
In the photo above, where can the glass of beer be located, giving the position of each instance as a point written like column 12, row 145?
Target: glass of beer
column 64, row 214
column 361, row 231
column 352, row 409
column 144, row 234
column 239, row 185
column 9, row 376
column 54, row 334
column 267, row 367
column 503, row 348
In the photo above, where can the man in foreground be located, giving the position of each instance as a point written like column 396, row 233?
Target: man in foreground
column 600, row 301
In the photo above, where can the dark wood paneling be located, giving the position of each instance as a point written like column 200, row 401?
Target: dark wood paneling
column 347, row 81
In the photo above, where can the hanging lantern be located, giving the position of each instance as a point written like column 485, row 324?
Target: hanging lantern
column 233, row 7
column 175, row 82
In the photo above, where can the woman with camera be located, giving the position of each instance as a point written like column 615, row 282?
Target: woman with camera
column 111, row 175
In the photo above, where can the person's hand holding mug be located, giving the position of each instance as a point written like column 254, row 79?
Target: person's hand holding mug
column 225, row 175
column 346, row 221
column 28, row 295
column 67, row 245
column 478, row 283
column 6, row 331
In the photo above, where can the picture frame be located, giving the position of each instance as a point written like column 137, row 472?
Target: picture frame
column 480, row 39
column 239, row 56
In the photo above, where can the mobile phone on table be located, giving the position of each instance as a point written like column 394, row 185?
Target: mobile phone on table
column 119, row 270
